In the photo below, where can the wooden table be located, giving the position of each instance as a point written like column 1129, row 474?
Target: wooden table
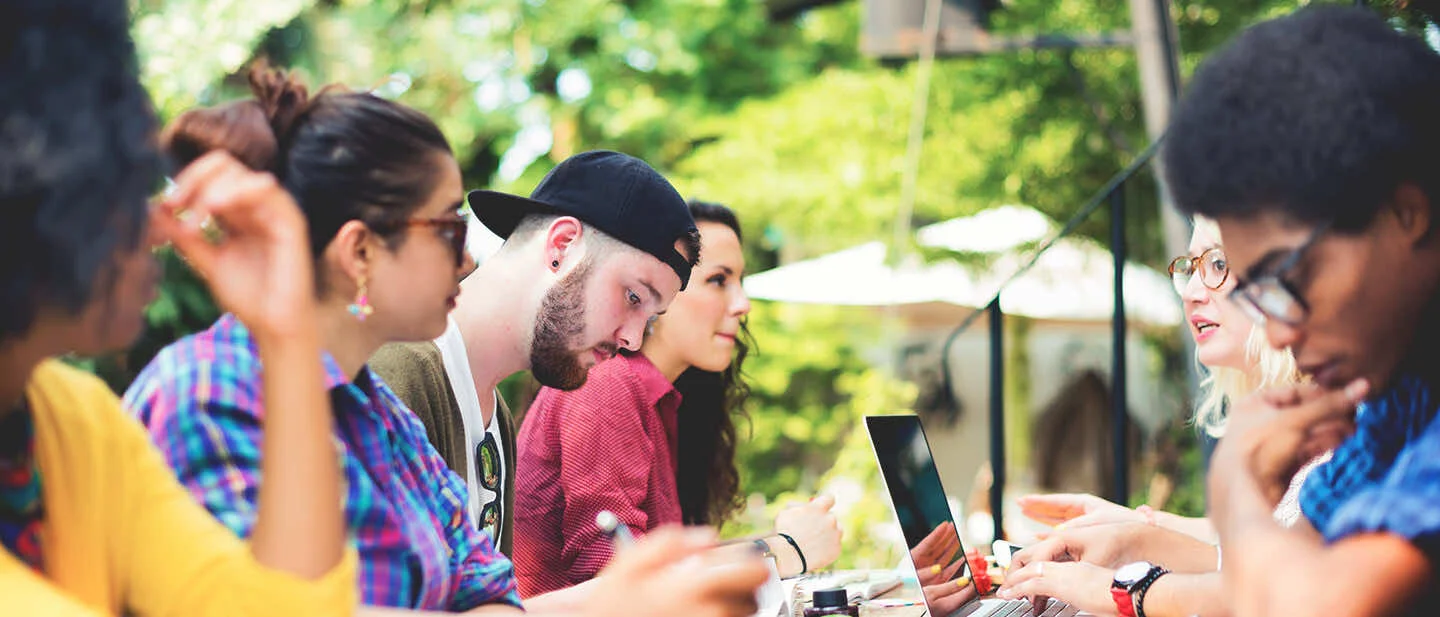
column 909, row 591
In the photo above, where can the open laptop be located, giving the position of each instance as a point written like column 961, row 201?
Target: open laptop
column 913, row 483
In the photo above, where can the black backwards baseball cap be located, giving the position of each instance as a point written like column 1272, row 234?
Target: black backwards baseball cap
column 613, row 192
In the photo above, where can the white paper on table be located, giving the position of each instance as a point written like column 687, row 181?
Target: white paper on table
column 772, row 597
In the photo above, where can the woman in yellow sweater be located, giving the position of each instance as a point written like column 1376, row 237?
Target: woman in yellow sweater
column 91, row 520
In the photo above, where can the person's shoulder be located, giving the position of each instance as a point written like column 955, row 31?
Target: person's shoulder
column 614, row 393
column 82, row 403
column 398, row 360
column 215, row 367
column 623, row 373
column 608, row 383
column 1404, row 411
column 1422, row 453
column 62, row 383
column 406, row 419
column 413, row 372
column 225, row 348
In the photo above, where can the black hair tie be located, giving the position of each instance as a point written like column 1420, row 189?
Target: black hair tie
column 804, row 567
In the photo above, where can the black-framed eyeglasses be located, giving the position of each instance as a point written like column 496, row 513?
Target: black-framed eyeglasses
column 452, row 229
column 1212, row 266
column 1268, row 295
column 487, row 473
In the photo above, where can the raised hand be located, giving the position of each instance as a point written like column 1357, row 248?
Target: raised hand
column 245, row 235
column 1075, row 510
column 1270, row 435
column 814, row 528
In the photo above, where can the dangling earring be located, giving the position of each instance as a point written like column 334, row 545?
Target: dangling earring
column 361, row 307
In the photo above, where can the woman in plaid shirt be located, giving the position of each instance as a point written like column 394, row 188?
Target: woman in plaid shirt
column 382, row 194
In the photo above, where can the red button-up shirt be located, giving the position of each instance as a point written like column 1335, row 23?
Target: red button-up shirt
column 611, row 445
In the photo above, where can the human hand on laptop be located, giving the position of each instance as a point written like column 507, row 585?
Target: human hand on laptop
column 1082, row 585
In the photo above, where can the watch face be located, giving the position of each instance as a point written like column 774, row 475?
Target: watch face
column 1131, row 573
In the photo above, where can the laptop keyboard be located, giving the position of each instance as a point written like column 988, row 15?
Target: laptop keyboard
column 1024, row 608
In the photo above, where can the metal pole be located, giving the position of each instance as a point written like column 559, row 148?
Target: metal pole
column 997, row 417
column 1120, row 415
column 1156, row 42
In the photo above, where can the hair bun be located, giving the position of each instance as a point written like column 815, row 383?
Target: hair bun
column 282, row 97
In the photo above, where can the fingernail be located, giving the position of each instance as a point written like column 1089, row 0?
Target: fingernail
column 962, row 581
column 1357, row 389
column 1060, row 527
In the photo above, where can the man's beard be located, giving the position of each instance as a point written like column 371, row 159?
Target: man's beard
column 559, row 328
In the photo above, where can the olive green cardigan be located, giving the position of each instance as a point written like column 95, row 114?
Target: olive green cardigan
column 416, row 372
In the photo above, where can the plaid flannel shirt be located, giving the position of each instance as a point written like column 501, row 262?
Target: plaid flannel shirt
column 200, row 398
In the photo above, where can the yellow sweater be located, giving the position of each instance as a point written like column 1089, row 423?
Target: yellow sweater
column 121, row 534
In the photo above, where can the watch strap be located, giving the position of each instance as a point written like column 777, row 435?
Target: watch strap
column 1137, row 592
column 1128, row 598
column 1123, row 605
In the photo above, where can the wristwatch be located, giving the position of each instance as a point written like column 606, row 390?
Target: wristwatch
column 1131, row 582
column 763, row 548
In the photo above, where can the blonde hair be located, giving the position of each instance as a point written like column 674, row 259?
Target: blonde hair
column 1222, row 384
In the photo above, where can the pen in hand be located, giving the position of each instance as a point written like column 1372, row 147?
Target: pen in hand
column 612, row 527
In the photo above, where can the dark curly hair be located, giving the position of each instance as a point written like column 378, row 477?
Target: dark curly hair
column 77, row 154
column 1319, row 116
column 711, row 403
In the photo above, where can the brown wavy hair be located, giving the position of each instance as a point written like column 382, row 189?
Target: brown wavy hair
column 707, row 479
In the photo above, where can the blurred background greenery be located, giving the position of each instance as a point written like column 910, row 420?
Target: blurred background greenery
column 774, row 112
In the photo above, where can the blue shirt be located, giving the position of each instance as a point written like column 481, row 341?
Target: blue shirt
column 1386, row 477
column 201, row 400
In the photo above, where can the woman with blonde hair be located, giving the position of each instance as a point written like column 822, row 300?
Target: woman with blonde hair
column 1099, row 542
column 1237, row 362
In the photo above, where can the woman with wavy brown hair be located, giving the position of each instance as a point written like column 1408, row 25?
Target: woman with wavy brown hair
column 651, row 436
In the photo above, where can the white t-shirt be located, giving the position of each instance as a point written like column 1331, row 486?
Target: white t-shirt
column 457, row 369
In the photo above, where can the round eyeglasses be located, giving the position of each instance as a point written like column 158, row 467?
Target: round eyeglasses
column 1213, row 267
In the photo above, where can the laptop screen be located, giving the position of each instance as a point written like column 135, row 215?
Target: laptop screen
column 910, row 476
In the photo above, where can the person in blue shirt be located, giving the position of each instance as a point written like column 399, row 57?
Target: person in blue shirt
column 1311, row 140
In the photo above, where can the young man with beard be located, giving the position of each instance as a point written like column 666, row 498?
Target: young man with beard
column 602, row 245
column 1311, row 141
